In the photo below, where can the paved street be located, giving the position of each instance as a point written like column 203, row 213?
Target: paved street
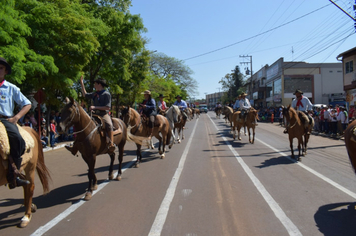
column 207, row 185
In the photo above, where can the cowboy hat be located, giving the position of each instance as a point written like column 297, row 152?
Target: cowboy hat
column 298, row 91
column 243, row 94
column 4, row 62
column 148, row 92
column 161, row 96
column 101, row 81
column 178, row 96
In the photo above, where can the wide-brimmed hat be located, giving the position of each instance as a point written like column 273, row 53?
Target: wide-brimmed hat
column 161, row 96
column 101, row 81
column 178, row 96
column 243, row 94
column 148, row 92
column 298, row 91
column 4, row 62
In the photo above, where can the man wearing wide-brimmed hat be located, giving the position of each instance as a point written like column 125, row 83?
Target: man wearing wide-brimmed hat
column 182, row 106
column 148, row 107
column 9, row 95
column 237, row 103
column 162, row 104
column 245, row 106
column 101, row 106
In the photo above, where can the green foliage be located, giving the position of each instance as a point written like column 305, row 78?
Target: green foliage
column 232, row 84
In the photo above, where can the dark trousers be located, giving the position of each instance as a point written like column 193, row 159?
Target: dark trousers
column 52, row 138
column 17, row 144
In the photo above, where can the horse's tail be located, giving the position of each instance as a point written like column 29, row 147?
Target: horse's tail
column 169, row 136
column 133, row 138
column 41, row 168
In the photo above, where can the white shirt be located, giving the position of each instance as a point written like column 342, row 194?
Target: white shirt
column 342, row 117
column 307, row 105
column 245, row 104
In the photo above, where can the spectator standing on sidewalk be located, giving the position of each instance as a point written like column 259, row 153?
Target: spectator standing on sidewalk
column 52, row 132
column 333, row 122
column 344, row 118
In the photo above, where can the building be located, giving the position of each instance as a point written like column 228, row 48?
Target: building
column 213, row 98
column 348, row 59
column 320, row 82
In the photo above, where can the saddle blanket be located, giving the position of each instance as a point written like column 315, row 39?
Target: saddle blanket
column 5, row 145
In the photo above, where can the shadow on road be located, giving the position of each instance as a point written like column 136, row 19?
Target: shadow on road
column 281, row 160
column 337, row 219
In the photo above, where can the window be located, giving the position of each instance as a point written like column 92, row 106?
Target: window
column 292, row 83
column 349, row 67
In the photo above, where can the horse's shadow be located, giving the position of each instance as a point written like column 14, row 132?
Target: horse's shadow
column 336, row 219
column 281, row 160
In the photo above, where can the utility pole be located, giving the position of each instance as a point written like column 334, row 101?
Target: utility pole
column 248, row 72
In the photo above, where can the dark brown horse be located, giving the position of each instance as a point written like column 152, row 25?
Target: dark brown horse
column 92, row 141
column 139, row 128
column 350, row 142
column 218, row 111
column 35, row 163
column 298, row 126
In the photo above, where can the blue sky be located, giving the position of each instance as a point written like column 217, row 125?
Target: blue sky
column 187, row 28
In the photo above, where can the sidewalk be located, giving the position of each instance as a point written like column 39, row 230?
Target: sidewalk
column 58, row 146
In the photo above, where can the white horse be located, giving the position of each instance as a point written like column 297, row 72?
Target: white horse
column 172, row 115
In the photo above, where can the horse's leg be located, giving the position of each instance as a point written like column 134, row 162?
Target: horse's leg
column 172, row 139
column 28, row 194
column 164, row 139
column 291, row 147
column 183, row 133
column 306, row 139
column 300, row 147
column 179, row 129
column 239, row 133
column 245, row 130
column 233, row 132
column 138, row 155
column 92, row 178
column 159, row 143
column 120, row 158
column 111, row 167
column 249, row 135
column 253, row 137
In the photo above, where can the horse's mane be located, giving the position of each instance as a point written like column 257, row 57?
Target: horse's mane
column 229, row 108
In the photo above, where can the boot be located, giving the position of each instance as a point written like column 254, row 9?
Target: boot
column 111, row 147
column 14, row 173
column 71, row 149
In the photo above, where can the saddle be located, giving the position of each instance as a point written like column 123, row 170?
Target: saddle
column 117, row 129
column 145, row 121
column 5, row 145
column 305, row 119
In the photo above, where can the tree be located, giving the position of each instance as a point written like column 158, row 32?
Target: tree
column 170, row 67
column 232, row 84
column 26, row 62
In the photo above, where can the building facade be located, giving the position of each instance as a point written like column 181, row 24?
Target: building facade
column 348, row 59
column 213, row 98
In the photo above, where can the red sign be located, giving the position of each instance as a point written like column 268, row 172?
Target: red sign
column 39, row 96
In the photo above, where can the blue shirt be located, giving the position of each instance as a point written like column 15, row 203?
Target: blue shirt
column 9, row 94
column 182, row 103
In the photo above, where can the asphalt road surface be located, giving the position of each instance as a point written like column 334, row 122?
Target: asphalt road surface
column 207, row 185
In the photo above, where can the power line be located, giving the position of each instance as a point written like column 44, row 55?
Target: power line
column 244, row 40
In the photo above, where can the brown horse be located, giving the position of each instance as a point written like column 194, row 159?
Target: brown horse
column 218, row 111
column 36, row 162
column 228, row 113
column 350, row 142
column 139, row 127
column 298, row 126
column 91, row 140
column 250, row 123
column 197, row 112
column 180, row 127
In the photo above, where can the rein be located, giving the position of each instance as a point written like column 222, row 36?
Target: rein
column 91, row 116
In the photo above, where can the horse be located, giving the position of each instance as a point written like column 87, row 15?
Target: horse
column 172, row 116
column 228, row 112
column 36, row 162
column 140, row 128
column 189, row 113
column 250, row 123
column 197, row 112
column 298, row 126
column 350, row 142
column 91, row 140
column 180, row 126
column 218, row 111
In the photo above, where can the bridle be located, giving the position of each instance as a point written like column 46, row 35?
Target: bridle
column 72, row 118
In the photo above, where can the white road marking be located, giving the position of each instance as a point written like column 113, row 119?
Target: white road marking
column 323, row 177
column 287, row 223
column 44, row 229
column 162, row 213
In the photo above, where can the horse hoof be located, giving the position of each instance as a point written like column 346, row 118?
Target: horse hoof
column 178, row 141
column 170, row 146
column 160, row 152
column 111, row 177
column 88, row 196
column 299, row 159
column 95, row 187
column 25, row 221
column 163, row 156
column 33, row 208
column 240, row 139
column 118, row 177
column 137, row 165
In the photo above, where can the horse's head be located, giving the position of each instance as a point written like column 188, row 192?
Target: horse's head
column 289, row 115
column 70, row 114
column 175, row 113
column 126, row 114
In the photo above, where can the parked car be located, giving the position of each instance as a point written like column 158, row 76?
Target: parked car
column 203, row 108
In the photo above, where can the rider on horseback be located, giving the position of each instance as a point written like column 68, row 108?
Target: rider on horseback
column 245, row 106
column 301, row 103
column 148, row 108
column 102, row 104
column 182, row 106
column 162, row 104
column 9, row 94
column 237, row 103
